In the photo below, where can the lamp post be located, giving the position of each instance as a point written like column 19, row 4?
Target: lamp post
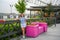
column 50, row 1
column 11, row 16
column 11, row 8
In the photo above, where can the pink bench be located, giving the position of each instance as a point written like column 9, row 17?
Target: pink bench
column 33, row 30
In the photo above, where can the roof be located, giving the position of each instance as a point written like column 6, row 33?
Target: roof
column 34, row 9
column 3, row 14
column 6, row 14
column 45, row 6
column 38, row 8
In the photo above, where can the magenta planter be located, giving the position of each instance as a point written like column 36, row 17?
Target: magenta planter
column 33, row 31
column 36, row 28
column 41, row 24
column 44, row 25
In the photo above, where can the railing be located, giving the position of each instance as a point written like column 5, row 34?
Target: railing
column 49, row 20
column 9, row 28
column 12, row 27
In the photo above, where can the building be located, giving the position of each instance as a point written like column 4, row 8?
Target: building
column 7, row 15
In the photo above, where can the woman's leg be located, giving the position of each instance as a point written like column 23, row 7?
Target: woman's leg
column 23, row 32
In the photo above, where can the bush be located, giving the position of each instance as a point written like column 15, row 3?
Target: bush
column 4, row 30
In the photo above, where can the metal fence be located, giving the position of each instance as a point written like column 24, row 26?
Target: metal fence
column 9, row 28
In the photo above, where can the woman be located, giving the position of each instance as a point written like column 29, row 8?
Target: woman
column 23, row 24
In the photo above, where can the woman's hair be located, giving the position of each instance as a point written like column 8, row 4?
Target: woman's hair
column 22, row 15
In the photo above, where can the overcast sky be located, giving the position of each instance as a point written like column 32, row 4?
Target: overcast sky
column 5, row 8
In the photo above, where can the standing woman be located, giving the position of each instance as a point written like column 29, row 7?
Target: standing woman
column 23, row 24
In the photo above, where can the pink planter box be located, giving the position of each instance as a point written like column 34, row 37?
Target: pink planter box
column 41, row 24
column 41, row 29
column 44, row 25
column 33, row 30
column 35, row 23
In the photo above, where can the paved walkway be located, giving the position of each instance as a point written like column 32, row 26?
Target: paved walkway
column 53, row 33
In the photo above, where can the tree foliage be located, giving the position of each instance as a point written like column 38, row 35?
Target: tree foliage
column 49, row 9
column 20, row 6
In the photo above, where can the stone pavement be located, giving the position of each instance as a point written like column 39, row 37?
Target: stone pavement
column 53, row 33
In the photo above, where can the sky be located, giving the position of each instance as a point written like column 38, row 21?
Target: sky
column 5, row 5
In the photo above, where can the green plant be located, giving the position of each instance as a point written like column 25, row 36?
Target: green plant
column 4, row 30
column 20, row 6
column 49, row 9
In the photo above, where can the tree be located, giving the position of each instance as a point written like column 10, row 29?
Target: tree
column 20, row 6
column 49, row 9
